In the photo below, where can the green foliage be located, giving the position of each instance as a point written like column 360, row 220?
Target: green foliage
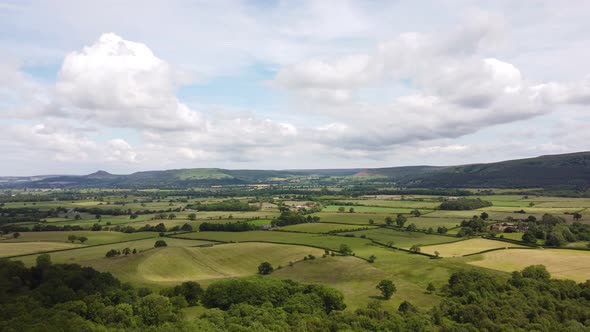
column 227, row 205
column 289, row 217
column 228, row 227
column 464, row 204
column 387, row 288
column 160, row 243
column 265, row 268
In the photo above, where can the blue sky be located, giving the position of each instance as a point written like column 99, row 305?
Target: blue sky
column 139, row 85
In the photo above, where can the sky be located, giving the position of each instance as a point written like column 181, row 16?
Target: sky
column 126, row 86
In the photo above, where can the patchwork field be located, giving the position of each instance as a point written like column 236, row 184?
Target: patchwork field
column 465, row 247
column 90, row 255
column 94, row 238
column 561, row 263
column 24, row 248
column 368, row 209
column 323, row 227
column 403, row 239
column 353, row 218
column 173, row 265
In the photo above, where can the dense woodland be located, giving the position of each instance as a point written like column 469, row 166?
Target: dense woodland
column 60, row 297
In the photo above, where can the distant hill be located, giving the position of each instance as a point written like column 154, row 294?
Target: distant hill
column 571, row 170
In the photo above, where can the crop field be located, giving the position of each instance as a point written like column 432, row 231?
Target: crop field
column 323, row 227
column 402, row 239
column 465, row 247
column 8, row 249
column 561, row 263
column 94, row 238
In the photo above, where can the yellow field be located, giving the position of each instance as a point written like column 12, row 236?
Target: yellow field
column 23, row 248
column 561, row 263
column 466, row 247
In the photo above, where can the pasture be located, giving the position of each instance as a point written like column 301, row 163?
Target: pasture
column 402, row 239
column 465, row 247
column 561, row 263
column 8, row 249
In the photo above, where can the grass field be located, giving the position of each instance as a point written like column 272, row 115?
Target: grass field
column 369, row 209
column 396, row 203
column 426, row 222
column 88, row 255
column 94, row 238
column 323, row 227
column 173, row 265
column 561, row 263
column 24, row 248
column 353, row 218
column 403, row 239
column 465, row 247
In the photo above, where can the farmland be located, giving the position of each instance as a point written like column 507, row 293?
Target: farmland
column 349, row 244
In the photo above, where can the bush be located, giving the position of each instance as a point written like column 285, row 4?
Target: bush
column 160, row 243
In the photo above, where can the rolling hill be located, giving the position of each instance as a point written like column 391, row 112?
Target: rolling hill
column 568, row 170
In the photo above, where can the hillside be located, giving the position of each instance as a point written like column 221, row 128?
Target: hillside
column 571, row 170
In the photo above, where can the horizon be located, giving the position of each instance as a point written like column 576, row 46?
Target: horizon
column 282, row 85
column 286, row 170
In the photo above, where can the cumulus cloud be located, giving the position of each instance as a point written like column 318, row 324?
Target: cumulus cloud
column 120, row 83
column 454, row 91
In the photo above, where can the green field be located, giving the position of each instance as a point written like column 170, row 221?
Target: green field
column 173, row 265
column 94, row 238
column 353, row 218
column 323, row 227
column 465, row 247
column 402, row 239
column 8, row 249
column 369, row 209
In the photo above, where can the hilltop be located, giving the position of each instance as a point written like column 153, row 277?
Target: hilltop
column 572, row 170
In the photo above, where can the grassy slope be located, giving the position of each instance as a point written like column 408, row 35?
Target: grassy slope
column 465, row 247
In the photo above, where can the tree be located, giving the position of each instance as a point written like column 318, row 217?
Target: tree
column 351, row 210
column 430, row 288
column 16, row 235
column 112, row 253
column 345, row 249
column 341, row 209
column 126, row 251
column 436, row 253
column 529, row 237
column 192, row 216
column 388, row 220
column 415, row 248
column 186, row 228
column 43, row 261
column 265, row 268
column 412, row 227
column 72, row 238
column 371, row 222
column 134, row 251
column 77, row 216
column 416, row 213
column 372, row 258
column 387, row 288
column 442, row 230
column 155, row 309
column 484, row 215
column 577, row 216
column 406, row 307
column 171, row 216
column 160, row 243
column 82, row 239
column 400, row 220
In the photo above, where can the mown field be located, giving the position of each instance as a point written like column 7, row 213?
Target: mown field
column 561, row 263
column 465, row 247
